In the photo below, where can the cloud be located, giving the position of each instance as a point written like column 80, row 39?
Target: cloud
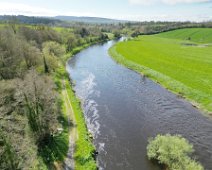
column 169, row 2
column 7, row 8
column 167, row 17
column 23, row 9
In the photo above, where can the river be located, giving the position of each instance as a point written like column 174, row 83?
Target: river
column 123, row 110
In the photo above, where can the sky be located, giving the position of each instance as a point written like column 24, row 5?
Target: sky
column 136, row 10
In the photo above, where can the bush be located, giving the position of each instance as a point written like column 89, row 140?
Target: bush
column 173, row 152
column 117, row 34
column 53, row 49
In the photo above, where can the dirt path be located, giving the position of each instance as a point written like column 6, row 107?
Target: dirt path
column 73, row 136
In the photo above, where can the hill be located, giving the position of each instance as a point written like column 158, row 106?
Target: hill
column 95, row 20
column 58, row 20
column 30, row 20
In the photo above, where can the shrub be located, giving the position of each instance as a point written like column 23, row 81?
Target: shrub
column 173, row 152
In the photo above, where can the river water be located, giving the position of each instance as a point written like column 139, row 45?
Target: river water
column 123, row 110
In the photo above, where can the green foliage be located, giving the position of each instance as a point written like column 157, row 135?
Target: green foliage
column 8, row 157
column 84, row 149
column 71, row 42
column 54, row 147
column 103, row 37
column 184, row 69
column 173, row 152
column 84, row 153
column 15, row 132
column 53, row 49
column 39, row 99
column 16, row 54
column 44, row 113
column 117, row 34
column 39, row 34
column 83, row 32
column 10, row 54
column 135, row 33
column 31, row 113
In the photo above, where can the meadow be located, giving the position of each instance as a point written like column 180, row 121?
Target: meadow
column 199, row 35
column 180, row 60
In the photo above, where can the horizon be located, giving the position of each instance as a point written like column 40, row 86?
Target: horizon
column 130, row 10
column 115, row 19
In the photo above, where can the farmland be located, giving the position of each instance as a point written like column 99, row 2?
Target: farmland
column 199, row 35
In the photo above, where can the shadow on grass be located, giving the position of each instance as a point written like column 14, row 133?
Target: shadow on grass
column 54, row 148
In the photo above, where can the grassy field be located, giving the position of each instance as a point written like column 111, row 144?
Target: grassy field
column 183, row 66
column 199, row 35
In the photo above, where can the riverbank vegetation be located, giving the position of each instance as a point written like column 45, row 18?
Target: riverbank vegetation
column 84, row 152
column 180, row 60
column 34, row 128
column 173, row 152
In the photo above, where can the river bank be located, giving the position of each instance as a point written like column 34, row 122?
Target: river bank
column 123, row 110
column 81, row 152
column 184, row 71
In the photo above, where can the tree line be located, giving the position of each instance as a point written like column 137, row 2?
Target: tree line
column 30, row 107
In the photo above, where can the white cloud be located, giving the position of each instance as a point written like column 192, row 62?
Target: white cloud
column 169, row 2
column 23, row 9
column 167, row 17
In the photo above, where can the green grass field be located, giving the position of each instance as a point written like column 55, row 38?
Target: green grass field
column 199, row 35
column 182, row 66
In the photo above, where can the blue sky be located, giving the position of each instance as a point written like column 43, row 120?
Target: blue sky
column 140, row 10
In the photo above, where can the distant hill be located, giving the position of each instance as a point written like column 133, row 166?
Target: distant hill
column 30, row 20
column 95, row 20
column 58, row 20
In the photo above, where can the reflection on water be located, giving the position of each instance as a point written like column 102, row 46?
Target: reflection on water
column 123, row 109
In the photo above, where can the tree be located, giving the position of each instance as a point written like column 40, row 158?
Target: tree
column 16, row 55
column 173, row 152
column 117, row 35
column 40, row 102
column 52, row 51
column 135, row 33
column 13, row 23
column 40, row 35
column 103, row 37
column 17, row 148
column 71, row 43
column 10, row 54
column 84, row 32
column 8, row 157
column 31, row 55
